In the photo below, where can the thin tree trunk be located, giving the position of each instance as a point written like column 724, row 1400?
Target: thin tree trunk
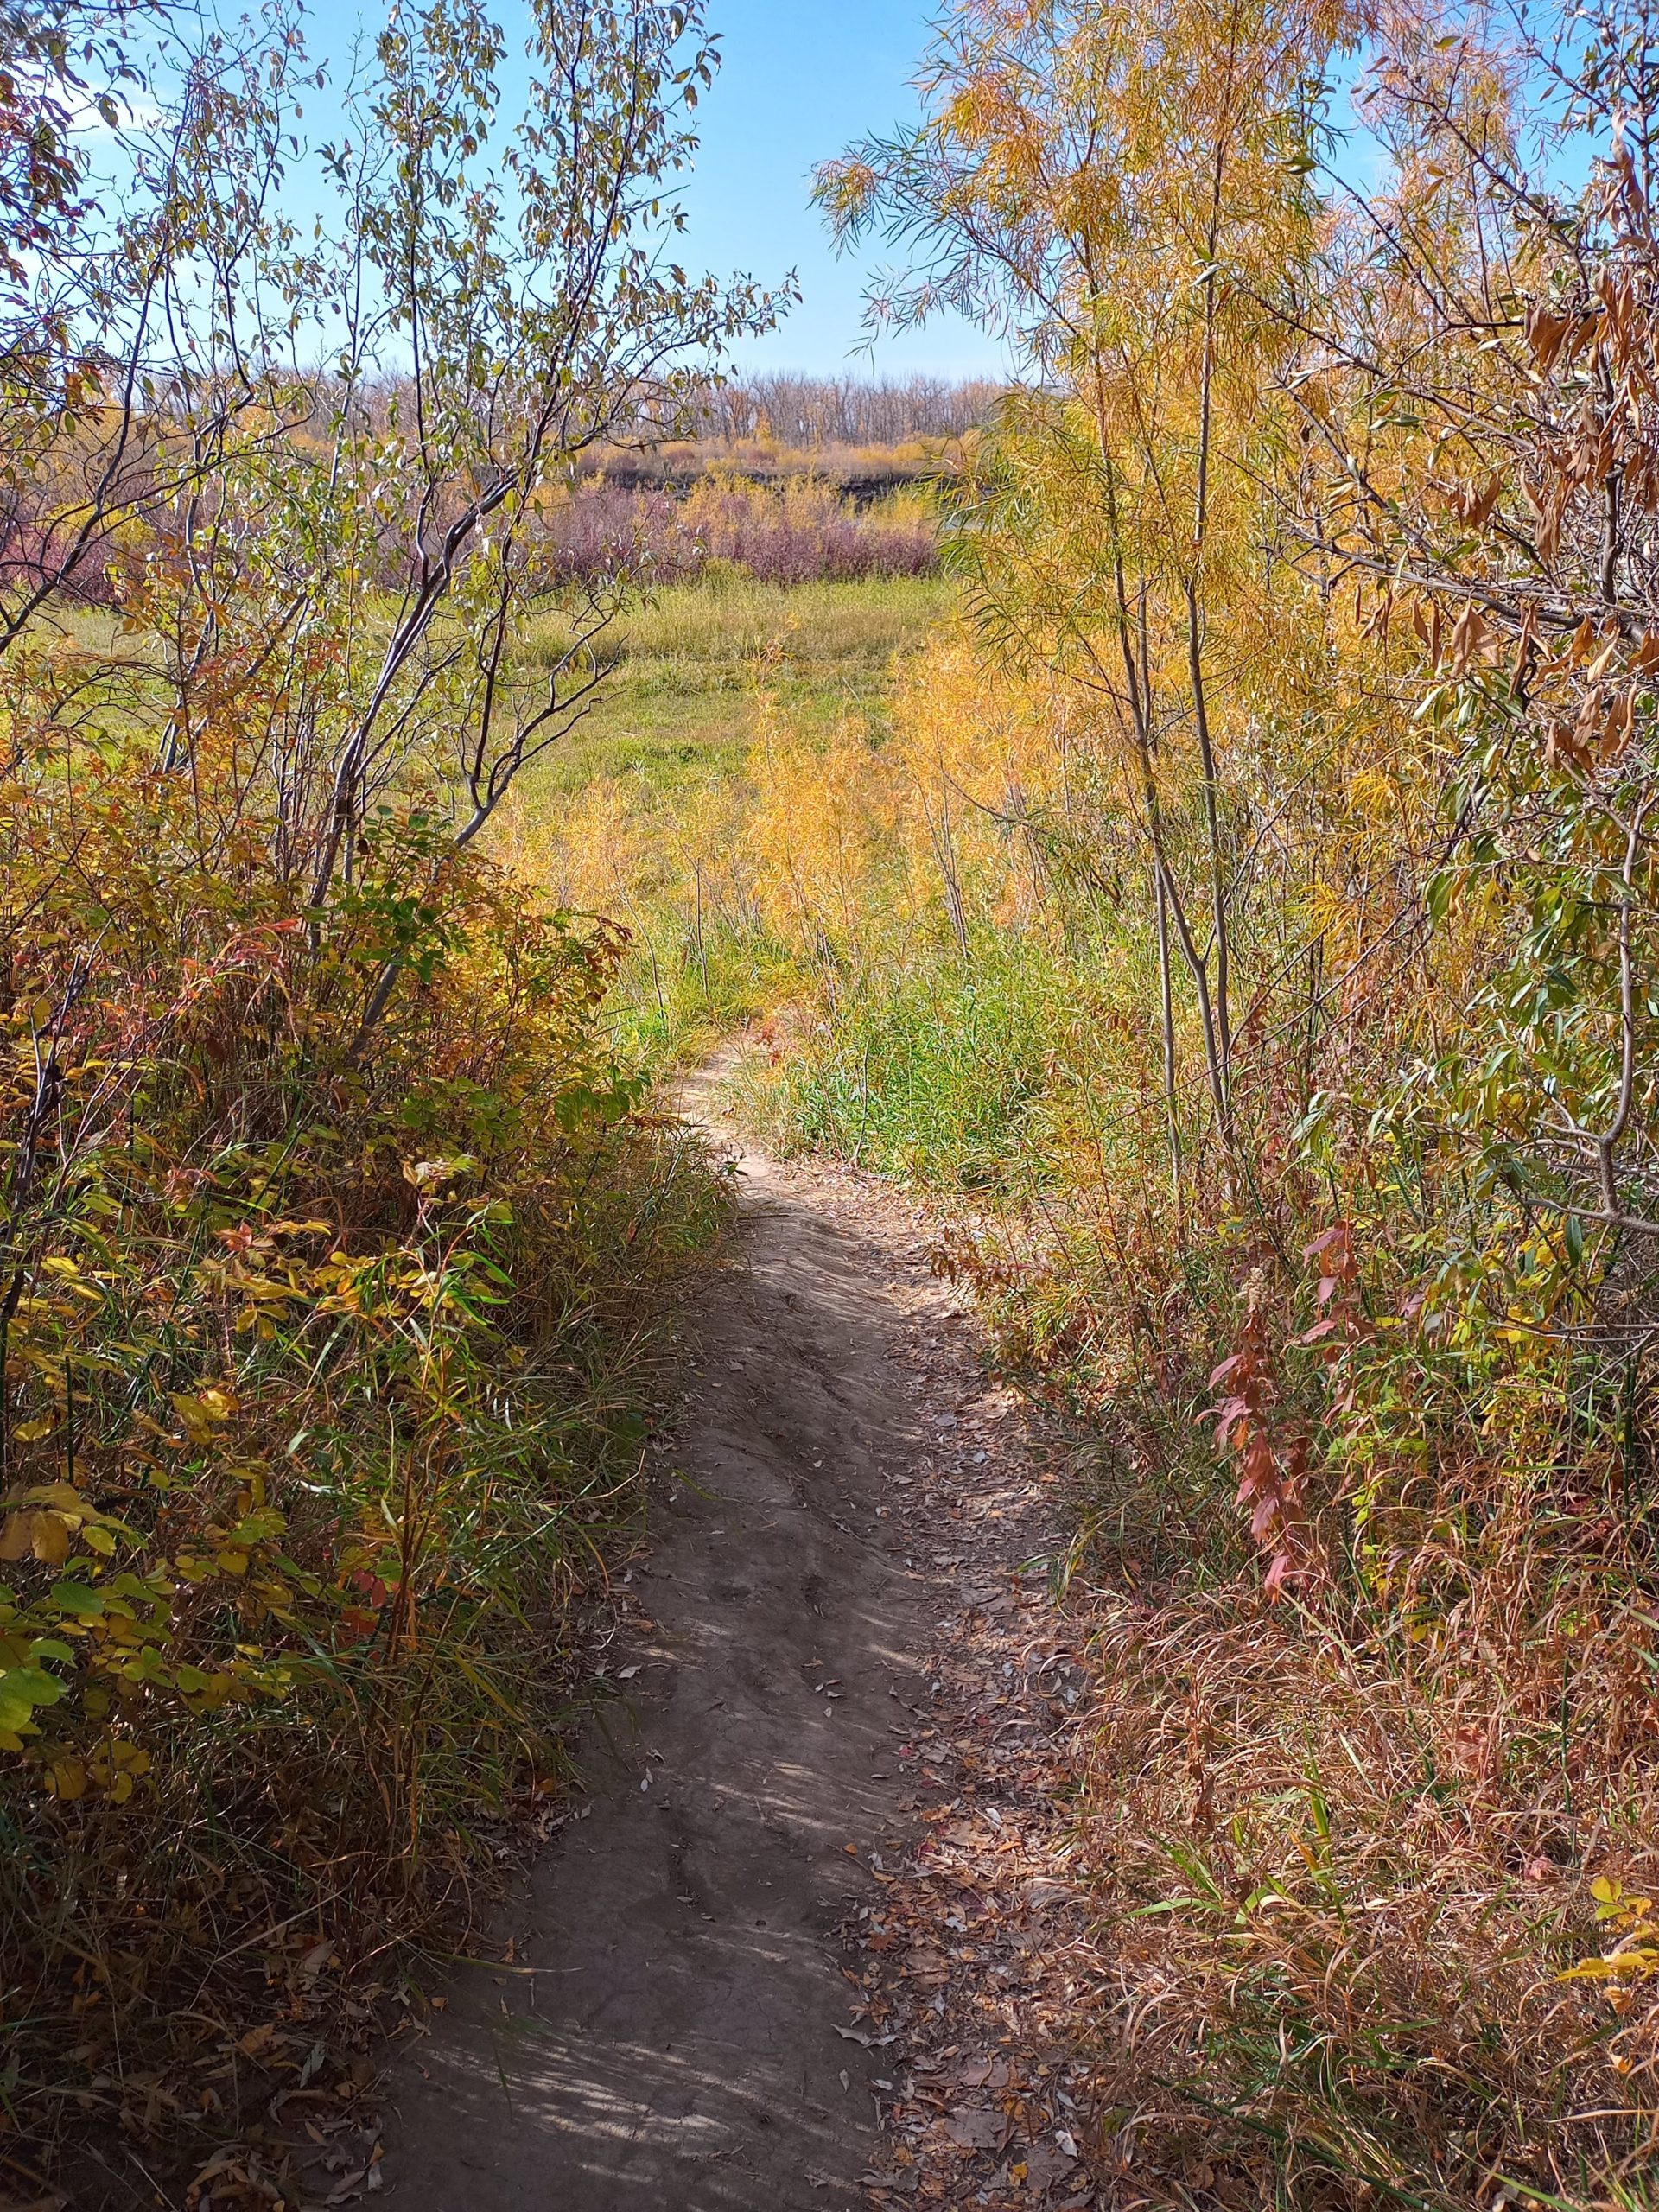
column 1170, row 906
column 1195, row 673
column 1166, row 998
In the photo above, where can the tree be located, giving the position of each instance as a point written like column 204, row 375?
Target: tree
column 1096, row 182
column 1471, row 377
column 320, row 466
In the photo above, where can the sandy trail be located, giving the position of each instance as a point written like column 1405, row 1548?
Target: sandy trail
column 666, row 2032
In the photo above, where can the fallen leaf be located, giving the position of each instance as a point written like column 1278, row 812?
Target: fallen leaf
column 976, row 2131
column 1046, row 2166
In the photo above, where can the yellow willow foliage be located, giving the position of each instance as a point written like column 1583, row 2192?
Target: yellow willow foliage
column 980, row 760
column 589, row 854
column 822, row 815
column 704, row 835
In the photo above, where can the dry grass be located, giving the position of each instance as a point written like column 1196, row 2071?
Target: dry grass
column 1340, row 1911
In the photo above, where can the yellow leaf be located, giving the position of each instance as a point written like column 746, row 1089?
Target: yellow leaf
column 31, row 1432
column 201, row 1412
column 52, row 1536
column 17, row 1537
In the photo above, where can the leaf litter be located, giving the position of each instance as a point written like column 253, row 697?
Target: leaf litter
column 978, row 1970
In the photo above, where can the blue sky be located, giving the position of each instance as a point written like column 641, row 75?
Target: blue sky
column 801, row 80
column 803, row 77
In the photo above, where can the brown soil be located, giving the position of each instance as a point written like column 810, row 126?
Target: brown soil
column 807, row 1941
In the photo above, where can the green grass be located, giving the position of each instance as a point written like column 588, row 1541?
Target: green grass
column 687, row 666
column 941, row 1074
column 679, row 712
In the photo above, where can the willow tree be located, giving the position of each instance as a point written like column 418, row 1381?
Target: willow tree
column 314, row 471
column 1110, row 187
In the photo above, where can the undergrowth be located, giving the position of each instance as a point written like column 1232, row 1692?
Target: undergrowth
column 1372, row 1856
column 330, row 1374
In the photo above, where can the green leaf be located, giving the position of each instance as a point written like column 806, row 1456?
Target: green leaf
column 23, row 1691
column 76, row 1598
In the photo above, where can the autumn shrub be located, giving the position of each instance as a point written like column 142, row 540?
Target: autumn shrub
column 328, row 1374
column 800, row 530
column 338, row 1250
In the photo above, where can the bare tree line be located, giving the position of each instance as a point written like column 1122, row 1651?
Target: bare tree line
column 802, row 411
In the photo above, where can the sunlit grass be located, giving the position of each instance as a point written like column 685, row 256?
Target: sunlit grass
column 709, row 635
column 687, row 666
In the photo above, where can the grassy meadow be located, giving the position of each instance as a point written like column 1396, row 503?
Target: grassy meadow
column 638, row 813
column 689, row 662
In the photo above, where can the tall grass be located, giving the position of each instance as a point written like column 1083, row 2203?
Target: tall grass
column 943, row 1075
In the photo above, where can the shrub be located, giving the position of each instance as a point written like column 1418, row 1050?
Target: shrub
column 800, row 532
column 327, row 1362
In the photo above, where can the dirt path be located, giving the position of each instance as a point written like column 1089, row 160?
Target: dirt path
column 666, row 2032
column 730, row 1979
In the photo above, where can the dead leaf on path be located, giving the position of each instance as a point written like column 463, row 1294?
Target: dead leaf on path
column 1044, row 2166
column 1043, row 1891
column 852, row 2035
column 976, row 2131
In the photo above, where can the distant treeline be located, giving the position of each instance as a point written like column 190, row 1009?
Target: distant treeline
column 797, row 410
column 857, row 441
